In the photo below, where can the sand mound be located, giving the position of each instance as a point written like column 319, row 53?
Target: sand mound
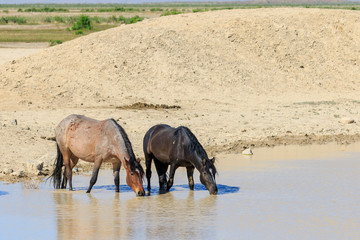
column 186, row 58
column 239, row 78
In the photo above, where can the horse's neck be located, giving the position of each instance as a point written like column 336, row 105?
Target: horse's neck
column 121, row 149
column 196, row 161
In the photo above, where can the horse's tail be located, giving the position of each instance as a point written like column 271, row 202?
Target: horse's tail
column 56, row 175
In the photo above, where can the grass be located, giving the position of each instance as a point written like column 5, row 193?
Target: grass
column 69, row 27
column 45, row 35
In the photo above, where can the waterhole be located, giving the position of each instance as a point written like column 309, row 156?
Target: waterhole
column 309, row 192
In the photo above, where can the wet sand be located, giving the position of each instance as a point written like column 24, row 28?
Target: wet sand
column 307, row 192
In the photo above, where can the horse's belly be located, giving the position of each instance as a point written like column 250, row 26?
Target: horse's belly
column 185, row 164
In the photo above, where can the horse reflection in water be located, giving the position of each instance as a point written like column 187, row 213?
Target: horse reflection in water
column 88, row 217
column 80, row 137
column 177, row 147
column 107, row 216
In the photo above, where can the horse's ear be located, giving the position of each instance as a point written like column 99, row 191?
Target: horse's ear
column 204, row 162
column 213, row 160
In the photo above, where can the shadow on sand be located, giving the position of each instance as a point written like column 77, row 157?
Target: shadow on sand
column 2, row 193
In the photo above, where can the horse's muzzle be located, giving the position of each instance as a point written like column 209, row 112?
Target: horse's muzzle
column 214, row 191
column 140, row 193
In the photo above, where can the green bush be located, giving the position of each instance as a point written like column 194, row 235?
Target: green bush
column 88, row 10
column 55, row 42
column 13, row 19
column 130, row 20
column 156, row 9
column 46, row 9
column 79, row 32
column 171, row 12
column 59, row 19
column 83, row 22
column 48, row 19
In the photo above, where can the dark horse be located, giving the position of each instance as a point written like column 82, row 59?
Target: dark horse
column 80, row 137
column 177, row 147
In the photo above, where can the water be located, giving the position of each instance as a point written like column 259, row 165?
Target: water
column 269, row 196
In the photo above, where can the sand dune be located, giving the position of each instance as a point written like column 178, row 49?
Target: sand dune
column 241, row 77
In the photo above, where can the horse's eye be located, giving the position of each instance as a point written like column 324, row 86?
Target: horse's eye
column 132, row 174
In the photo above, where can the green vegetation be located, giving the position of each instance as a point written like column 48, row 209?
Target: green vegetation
column 83, row 22
column 156, row 9
column 71, row 23
column 13, row 19
column 45, row 9
column 195, row 10
column 171, row 12
column 55, row 42
column 119, row 9
column 130, row 20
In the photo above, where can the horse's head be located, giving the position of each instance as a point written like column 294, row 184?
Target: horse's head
column 207, row 175
column 134, row 178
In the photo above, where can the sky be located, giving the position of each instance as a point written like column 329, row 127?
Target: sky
column 110, row 1
column 103, row 1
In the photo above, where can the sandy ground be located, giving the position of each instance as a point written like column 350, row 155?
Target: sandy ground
column 242, row 78
column 13, row 51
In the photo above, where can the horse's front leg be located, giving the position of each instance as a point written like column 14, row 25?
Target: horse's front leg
column 170, row 183
column 116, row 171
column 190, row 175
column 95, row 173
column 161, row 169
column 148, row 160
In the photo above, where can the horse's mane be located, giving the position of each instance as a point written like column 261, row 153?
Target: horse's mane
column 195, row 146
column 133, row 163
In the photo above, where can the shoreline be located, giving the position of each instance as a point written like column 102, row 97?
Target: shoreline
column 31, row 175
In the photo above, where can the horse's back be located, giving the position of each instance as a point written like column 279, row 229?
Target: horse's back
column 81, row 134
column 166, row 142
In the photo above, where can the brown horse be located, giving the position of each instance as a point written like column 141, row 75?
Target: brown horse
column 80, row 137
column 177, row 147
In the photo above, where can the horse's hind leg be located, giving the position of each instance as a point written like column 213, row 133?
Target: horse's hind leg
column 190, row 175
column 116, row 171
column 95, row 173
column 73, row 162
column 67, row 172
column 161, row 169
column 64, row 181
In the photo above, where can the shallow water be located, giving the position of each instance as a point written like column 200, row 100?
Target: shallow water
column 280, row 193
